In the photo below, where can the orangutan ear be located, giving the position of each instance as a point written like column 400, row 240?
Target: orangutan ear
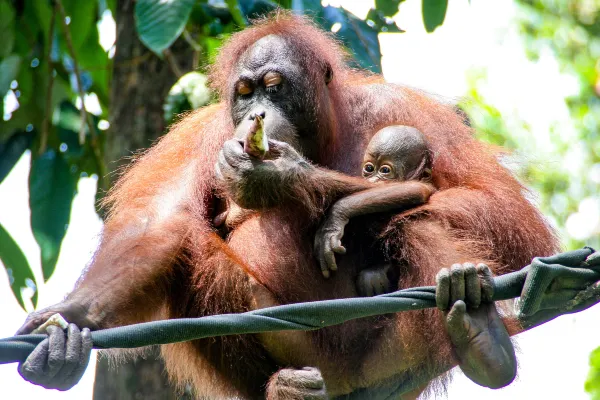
column 328, row 73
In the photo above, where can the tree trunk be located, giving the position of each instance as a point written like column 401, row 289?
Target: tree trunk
column 140, row 83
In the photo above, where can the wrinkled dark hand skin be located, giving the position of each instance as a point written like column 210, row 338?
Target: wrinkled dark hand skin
column 328, row 242
column 71, row 311
column 254, row 183
column 59, row 361
column 481, row 342
column 297, row 384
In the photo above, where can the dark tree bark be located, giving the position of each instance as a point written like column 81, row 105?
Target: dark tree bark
column 140, row 84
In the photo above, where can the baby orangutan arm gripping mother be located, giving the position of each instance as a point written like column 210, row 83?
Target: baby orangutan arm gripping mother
column 161, row 258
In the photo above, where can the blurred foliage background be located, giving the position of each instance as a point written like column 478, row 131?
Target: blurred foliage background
column 568, row 192
column 80, row 103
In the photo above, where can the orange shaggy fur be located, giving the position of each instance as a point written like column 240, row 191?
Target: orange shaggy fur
column 160, row 257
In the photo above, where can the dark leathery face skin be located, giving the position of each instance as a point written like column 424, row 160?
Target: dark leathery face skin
column 272, row 81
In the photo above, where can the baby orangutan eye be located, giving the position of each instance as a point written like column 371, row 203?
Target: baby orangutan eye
column 385, row 169
column 368, row 168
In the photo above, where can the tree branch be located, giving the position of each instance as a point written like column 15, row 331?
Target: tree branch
column 172, row 63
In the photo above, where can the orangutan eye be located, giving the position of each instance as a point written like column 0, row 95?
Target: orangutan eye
column 385, row 169
column 272, row 79
column 368, row 168
column 243, row 88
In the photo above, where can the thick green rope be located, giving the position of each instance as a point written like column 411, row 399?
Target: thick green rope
column 299, row 316
column 535, row 278
column 534, row 283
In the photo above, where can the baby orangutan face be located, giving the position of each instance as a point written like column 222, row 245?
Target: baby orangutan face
column 380, row 168
column 396, row 153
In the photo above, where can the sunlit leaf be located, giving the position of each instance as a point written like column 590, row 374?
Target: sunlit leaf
column 52, row 187
column 160, row 22
column 19, row 272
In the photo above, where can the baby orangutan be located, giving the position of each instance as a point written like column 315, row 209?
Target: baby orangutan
column 395, row 154
column 463, row 293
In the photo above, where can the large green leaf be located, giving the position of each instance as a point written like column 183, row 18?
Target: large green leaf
column 434, row 12
column 7, row 28
column 83, row 16
column 9, row 69
column 357, row 35
column 160, row 22
column 52, row 187
column 12, row 149
column 16, row 265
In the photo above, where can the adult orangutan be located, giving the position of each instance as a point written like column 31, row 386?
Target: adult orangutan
column 161, row 258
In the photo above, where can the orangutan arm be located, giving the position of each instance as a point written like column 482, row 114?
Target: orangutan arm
column 396, row 196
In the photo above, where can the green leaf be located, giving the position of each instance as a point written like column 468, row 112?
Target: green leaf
column 205, row 13
column 160, row 22
column 257, row 8
column 83, row 16
column 236, row 12
column 211, row 46
column 285, row 3
column 52, row 187
column 9, row 69
column 94, row 60
column 595, row 358
column 26, row 86
column 7, row 28
column 312, row 8
column 434, row 12
column 389, row 8
column 12, row 149
column 43, row 14
column 381, row 23
column 357, row 35
column 16, row 265
column 592, row 383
